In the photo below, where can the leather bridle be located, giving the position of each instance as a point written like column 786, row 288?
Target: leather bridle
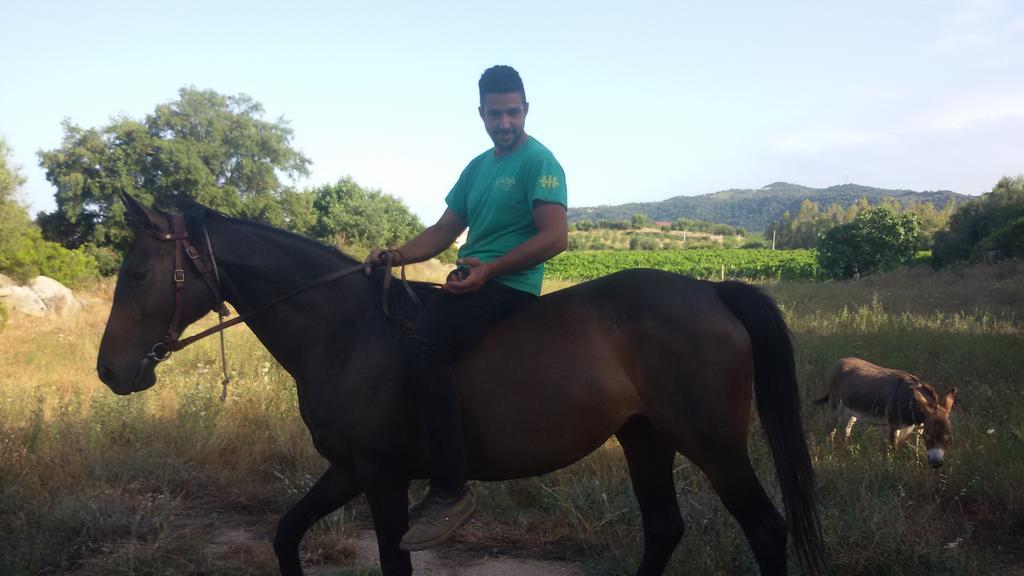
column 172, row 342
column 208, row 272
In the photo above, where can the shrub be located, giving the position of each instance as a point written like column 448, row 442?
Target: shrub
column 108, row 260
column 989, row 227
column 877, row 240
column 69, row 267
column 3, row 315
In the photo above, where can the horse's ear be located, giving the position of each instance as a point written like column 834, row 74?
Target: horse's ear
column 950, row 399
column 137, row 214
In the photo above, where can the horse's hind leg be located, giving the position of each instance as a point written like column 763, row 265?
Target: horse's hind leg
column 739, row 489
column 332, row 491
column 650, row 457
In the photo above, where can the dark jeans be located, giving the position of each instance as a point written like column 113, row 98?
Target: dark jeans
column 450, row 325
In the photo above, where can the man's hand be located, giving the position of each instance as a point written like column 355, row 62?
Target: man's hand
column 479, row 273
column 377, row 257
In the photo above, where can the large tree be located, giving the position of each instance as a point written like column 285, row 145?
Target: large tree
column 988, row 228
column 11, row 178
column 351, row 216
column 23, row 251
column 204, row 146
column 876, row 240
column 16, row 228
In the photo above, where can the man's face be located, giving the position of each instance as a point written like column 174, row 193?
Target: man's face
column 504, row 116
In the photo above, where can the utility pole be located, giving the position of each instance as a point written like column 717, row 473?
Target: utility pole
column 773, row 239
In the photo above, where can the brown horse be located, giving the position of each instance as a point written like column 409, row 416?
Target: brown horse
column 663, row 362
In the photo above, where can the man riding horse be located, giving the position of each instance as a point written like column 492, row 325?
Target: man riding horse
column 513, row 199
column 662, row 362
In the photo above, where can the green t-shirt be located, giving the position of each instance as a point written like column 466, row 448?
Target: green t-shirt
column 496, row 195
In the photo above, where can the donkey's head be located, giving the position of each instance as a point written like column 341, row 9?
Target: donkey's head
column 938, row 431
column 152, row 302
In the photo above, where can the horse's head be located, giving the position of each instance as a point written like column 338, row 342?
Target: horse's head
column 938, row 431
column 152, row 300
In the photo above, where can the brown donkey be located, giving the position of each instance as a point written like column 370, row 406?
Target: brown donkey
column 858, row 389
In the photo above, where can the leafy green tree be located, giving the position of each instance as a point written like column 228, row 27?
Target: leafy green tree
column 350, row 215
column 203, row 146
column 16, row 228
column 299, row 213
column 802, row 230
column 932, row 220
column 583, row 225
column 23, row 251
column 11, row 178
column 877, row 240
column 639, row 221
column 990, row 227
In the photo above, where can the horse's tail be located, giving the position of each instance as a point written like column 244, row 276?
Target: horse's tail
column 778, row 404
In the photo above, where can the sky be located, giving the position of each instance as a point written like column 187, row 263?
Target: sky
column 639, row 101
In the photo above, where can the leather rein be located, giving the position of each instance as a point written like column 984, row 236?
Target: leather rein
column 172, row 342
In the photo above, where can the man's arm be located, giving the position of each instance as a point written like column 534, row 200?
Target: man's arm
column 551, row 238
column 427, row 244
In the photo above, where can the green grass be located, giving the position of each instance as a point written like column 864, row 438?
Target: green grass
column 172, row 481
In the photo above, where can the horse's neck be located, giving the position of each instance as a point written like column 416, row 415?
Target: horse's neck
column 257, row 266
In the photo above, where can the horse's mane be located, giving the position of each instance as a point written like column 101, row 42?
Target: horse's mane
column 196, row 213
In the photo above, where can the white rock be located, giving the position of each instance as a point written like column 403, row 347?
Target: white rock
column 58, row 298
column 22, row 299
column 6, row 281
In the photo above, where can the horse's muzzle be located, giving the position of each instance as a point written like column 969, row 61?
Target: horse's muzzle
column 142, row 378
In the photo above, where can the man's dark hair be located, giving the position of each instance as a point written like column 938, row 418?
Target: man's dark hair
column 501, row 80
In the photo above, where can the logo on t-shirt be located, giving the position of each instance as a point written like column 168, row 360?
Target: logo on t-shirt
column 505, row 183
column 549, row 181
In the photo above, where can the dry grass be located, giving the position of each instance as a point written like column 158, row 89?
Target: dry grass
column 174, row 482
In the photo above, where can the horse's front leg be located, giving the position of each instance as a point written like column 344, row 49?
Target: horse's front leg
column 332, row 491
column 388, row 495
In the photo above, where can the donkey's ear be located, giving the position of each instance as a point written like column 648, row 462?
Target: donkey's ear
column 924, row 401
column 910, row 380
column 950, row 399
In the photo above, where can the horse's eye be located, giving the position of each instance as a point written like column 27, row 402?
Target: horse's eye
column 137, row 274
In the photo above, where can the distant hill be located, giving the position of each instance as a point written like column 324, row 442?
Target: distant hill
column 755, row 209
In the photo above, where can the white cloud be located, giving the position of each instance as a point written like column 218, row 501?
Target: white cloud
column 980, row 24
column 818, row 141
column 976, row 108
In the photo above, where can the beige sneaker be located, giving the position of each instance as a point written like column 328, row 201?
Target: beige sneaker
column 416, row 509
column 439, row 520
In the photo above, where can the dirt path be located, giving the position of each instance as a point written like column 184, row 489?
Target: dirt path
column 240, row 541
column 430, row 563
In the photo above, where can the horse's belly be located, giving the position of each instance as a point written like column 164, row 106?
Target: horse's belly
column 541, row 426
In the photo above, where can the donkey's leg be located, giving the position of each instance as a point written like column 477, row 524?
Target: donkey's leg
column 389, row 503
column 901, row 434
column 894, row 437
column 849, row 427
column 332, row 491
column 739, row 489
column 650, row 456
column 834, row 421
